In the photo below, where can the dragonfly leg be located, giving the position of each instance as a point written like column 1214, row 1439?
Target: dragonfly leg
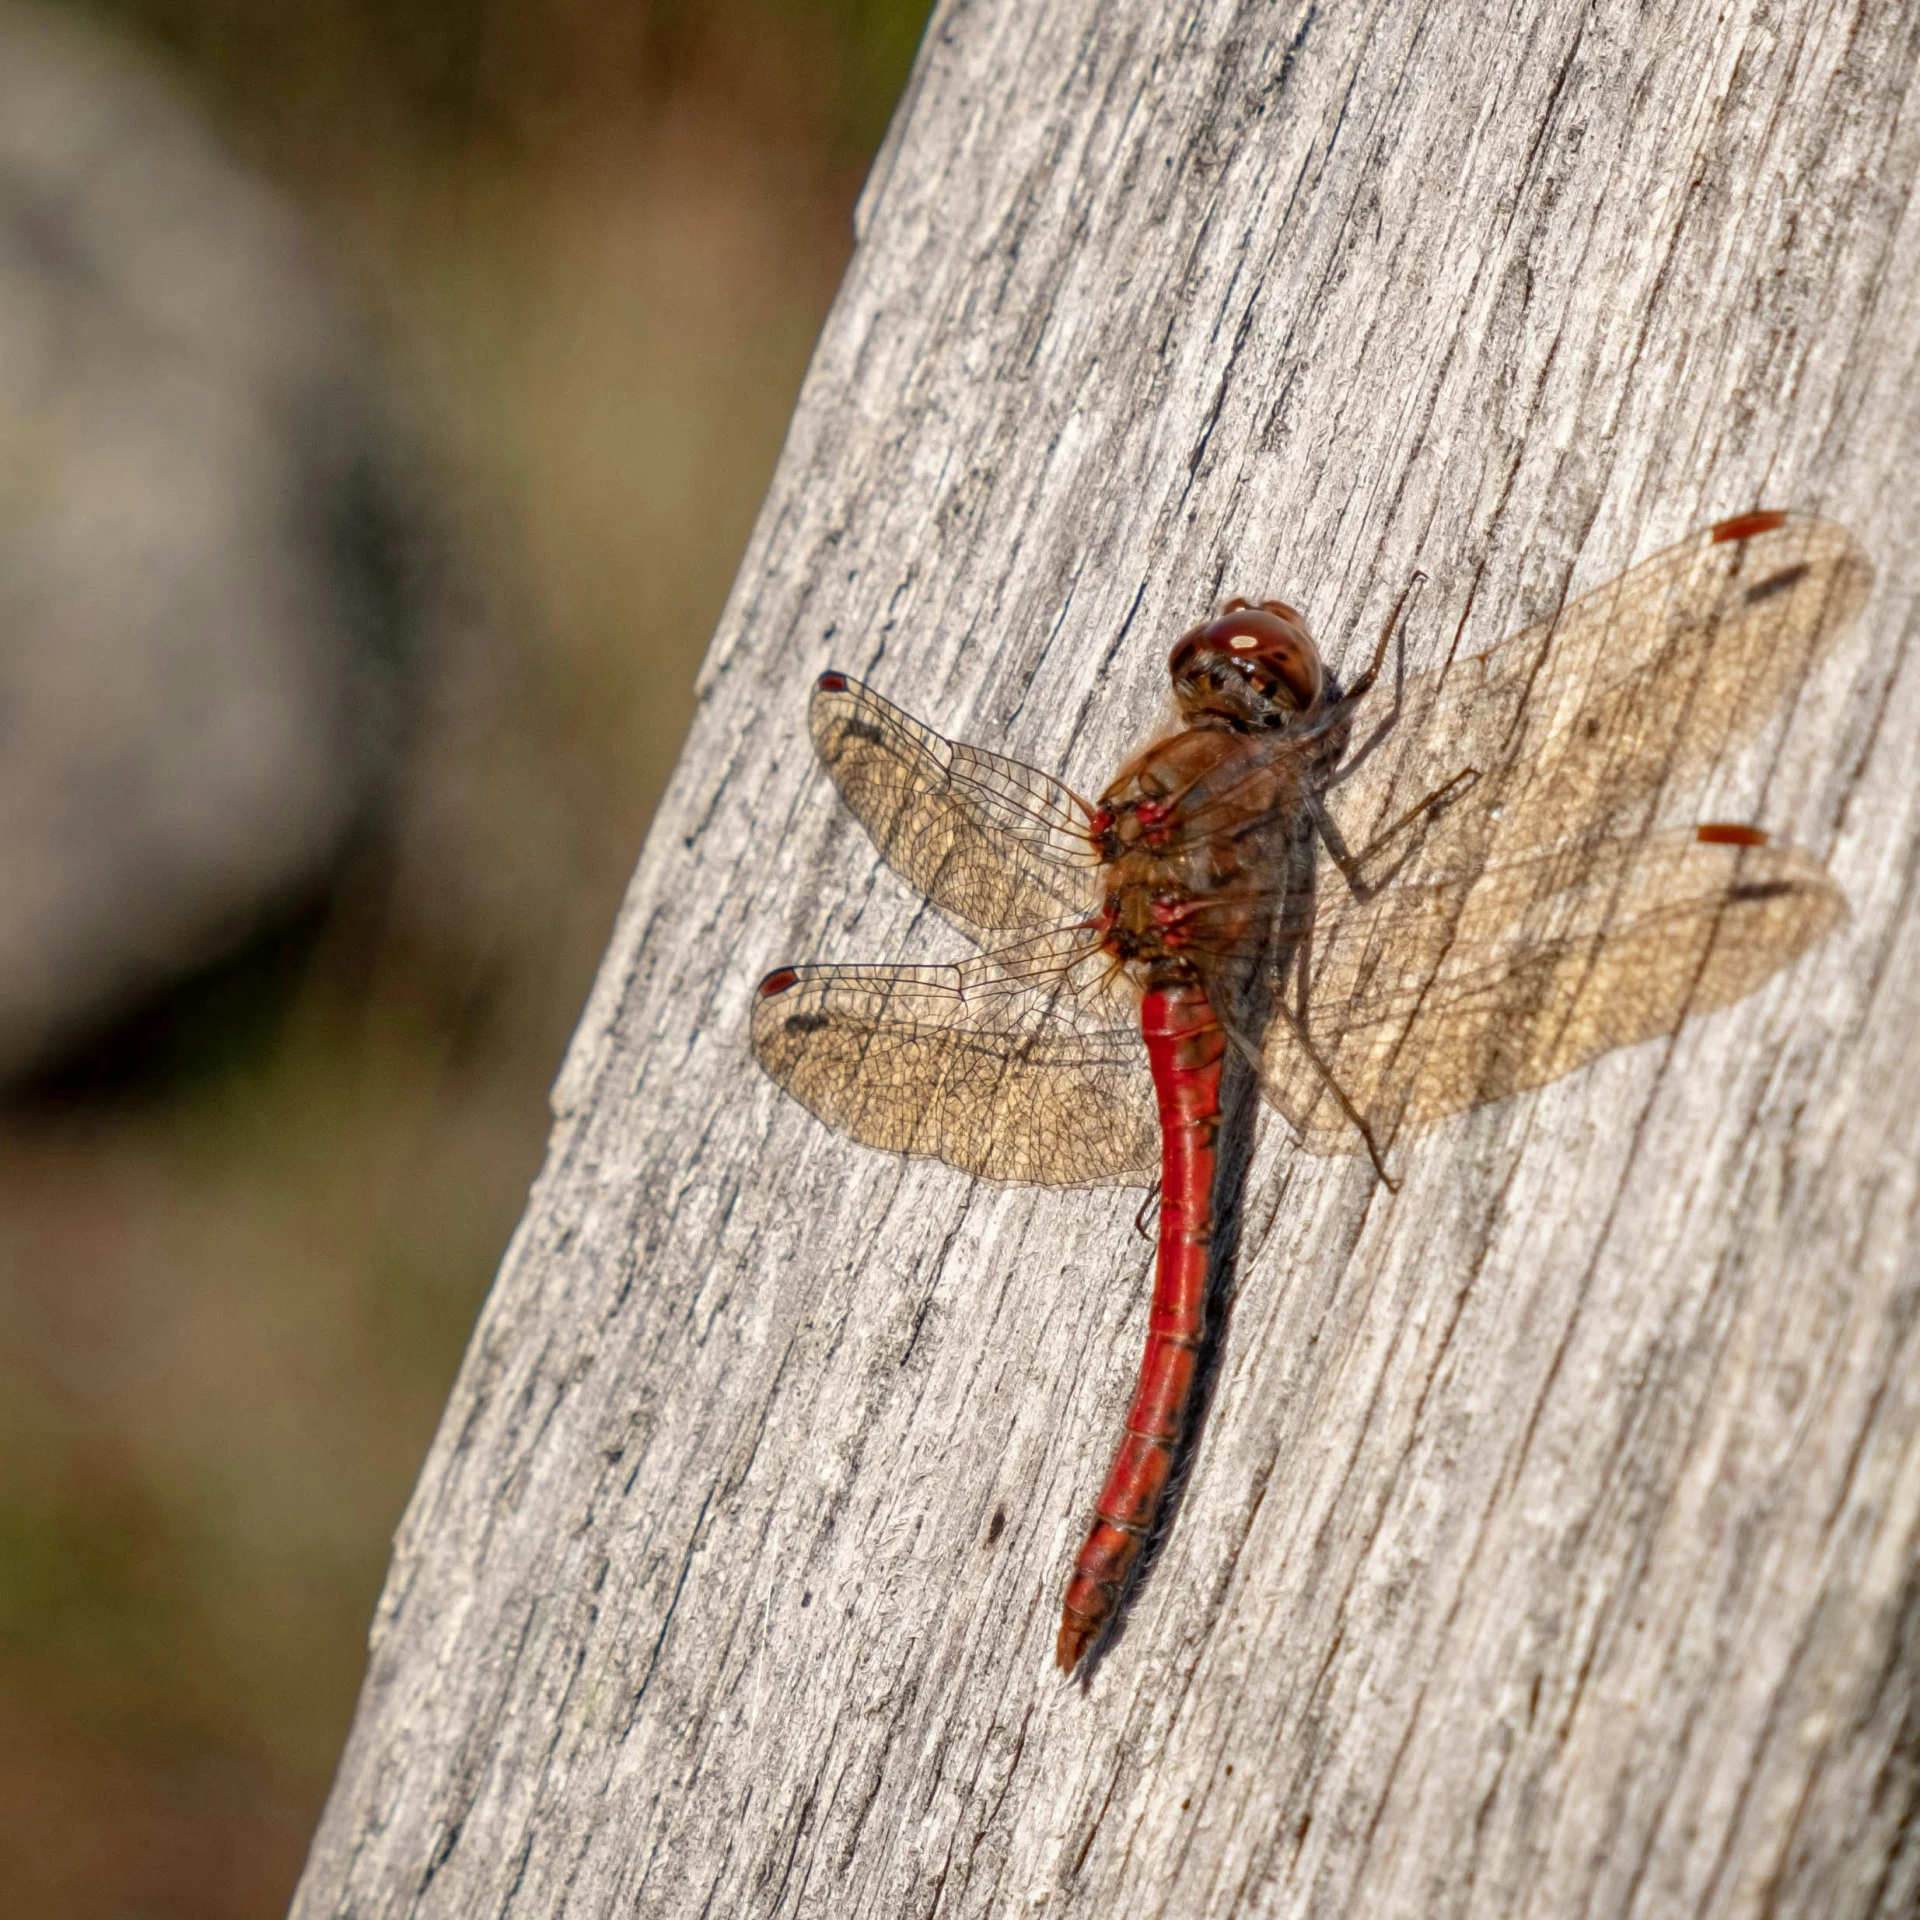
column 1353, row 865
column 1365, row 682
column 1355, row 1118
column 1249, row 1049
column 1364, row 685
column 1300, row 964
column 1140, row 1218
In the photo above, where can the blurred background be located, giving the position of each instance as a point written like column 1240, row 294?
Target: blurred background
column 386, row 391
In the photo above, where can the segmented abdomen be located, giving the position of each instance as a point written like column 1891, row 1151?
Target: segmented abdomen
column 1185, row 1049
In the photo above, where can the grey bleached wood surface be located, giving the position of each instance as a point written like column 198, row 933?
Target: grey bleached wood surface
column 1551, row 1549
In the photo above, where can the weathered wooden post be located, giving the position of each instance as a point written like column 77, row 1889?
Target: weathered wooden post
column 1552, row 1547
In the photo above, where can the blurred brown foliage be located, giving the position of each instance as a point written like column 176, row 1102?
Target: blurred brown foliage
column 241, row 1245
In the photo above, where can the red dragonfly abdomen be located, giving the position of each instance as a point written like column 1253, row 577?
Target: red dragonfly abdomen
column 1185, row 1049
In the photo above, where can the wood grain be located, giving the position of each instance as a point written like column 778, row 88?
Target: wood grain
column 1552, row 1546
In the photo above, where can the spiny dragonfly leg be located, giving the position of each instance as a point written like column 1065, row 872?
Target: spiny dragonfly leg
column 1353, row 865
column 1365, row 682
column 1300, row 965
column 1140, row 1218
column 1355, row 1117
column 1358, row 757
column 1250, row 1051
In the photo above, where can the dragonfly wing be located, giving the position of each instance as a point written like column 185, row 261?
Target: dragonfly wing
column 1430, row 999
column 1586, row 725
column 1001, row 1071
column 995, row 845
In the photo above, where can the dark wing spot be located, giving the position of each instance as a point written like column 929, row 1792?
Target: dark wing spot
column 1762, row 890
column 862, row 730
column 1777, row 583
column 806, row 1023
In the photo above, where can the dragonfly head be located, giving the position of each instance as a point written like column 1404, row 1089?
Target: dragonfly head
column 1253, row 667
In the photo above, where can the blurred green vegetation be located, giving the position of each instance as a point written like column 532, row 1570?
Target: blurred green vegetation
column 515, row 71
column 242, row 1243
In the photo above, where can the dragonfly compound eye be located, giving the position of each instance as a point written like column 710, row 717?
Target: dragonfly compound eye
column 1266, row 648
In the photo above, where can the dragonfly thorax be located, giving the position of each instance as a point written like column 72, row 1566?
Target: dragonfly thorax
column 1191, row 834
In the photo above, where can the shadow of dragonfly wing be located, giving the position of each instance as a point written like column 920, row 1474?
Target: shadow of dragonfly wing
column 997, row 846
column 1433, row 998
column 1016, row 1066
column 1589, row 724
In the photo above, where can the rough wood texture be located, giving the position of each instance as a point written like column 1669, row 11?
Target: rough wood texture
column 1551, row 1549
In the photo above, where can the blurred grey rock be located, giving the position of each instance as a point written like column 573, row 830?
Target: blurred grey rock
column 204, row 575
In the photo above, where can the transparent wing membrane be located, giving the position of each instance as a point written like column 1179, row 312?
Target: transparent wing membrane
column 997, row 846
column 1435, row 998
column 1591, row 724
column 1000, row 1066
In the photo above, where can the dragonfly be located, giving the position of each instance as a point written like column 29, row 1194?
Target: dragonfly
column 1389, row 903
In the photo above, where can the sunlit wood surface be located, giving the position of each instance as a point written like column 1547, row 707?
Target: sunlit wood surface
column 1551, row 1547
